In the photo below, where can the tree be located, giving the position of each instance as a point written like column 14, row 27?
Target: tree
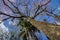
column 27, row 17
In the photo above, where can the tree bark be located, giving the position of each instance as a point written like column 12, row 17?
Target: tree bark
column 51, row 30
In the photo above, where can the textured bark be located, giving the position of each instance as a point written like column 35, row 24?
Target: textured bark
column 51, row 30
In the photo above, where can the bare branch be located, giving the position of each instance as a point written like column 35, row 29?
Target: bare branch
column 52, row 12
column 5, row 19
column 1, row 13
column 8, row 6
column 12, row 4
column 47, row 1
column 37, row 14
column 39, row 6
column 37, row 9
column 11, row 8
column 15, row 8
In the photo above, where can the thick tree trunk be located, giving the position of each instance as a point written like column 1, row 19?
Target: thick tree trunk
column 51, row 30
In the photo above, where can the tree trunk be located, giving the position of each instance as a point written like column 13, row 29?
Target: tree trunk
column 51, row 30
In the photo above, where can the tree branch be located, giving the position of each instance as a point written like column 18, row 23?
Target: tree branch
column 39, row 6
column 15, row 8
column 1, row 13
column 37, row 14
column 47, row 1
column 11, row 8
column 12, row 4
column 5, row 19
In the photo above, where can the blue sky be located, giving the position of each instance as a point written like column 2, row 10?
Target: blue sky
column 53, row 3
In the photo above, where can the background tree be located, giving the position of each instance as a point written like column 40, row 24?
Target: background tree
column 27, row 15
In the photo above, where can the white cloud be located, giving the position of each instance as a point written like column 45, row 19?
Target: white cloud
column 12, row 23
column 58, row 8
column 3, row 28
